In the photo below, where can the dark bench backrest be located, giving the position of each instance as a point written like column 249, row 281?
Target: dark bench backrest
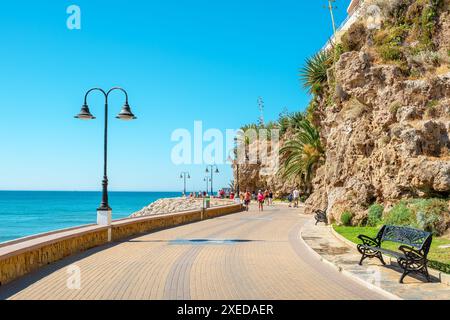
column 405, row 235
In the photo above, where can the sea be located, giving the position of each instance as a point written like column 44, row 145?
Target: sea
column 25, row 213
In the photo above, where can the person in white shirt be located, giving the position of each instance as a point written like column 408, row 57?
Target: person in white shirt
column 296, row 196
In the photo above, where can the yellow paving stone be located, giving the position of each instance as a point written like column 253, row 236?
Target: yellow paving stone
column 267, row 260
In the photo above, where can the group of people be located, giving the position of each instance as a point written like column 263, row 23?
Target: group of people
column 294, row 197
column 196, row 195
column 261, row 197
column 266, row 198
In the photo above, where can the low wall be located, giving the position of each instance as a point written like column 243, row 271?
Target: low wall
column 23, row 256
column 129, row 227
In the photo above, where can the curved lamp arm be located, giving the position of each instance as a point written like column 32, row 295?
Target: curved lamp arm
column 94, row 89
column 120, row 89
column 106, row 94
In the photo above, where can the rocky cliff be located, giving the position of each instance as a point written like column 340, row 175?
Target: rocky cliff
column 387, row 140
column 384, row 114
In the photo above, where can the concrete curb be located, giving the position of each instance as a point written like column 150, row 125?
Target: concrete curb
column 350, row 275
column 443, row 277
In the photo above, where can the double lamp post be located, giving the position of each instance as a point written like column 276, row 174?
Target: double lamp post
column 185, row 175
column 104, row 212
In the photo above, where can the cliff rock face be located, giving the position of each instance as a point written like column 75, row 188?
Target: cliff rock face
column 266, row 175
column 383, row 115
column 387, row 140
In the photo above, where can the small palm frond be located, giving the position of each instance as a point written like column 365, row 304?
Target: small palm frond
column 314, row 72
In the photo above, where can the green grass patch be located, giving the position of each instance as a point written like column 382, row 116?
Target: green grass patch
column 439, row 258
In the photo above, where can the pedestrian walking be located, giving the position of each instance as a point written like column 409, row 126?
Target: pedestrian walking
column 247, row 199
column 290, row 198
column 270, row 197
column 296, row 196
column 266, row 197
column 260, row 201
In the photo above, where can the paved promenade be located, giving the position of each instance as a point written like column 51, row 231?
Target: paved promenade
column 248, row 255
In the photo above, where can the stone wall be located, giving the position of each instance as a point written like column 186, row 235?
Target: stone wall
column 20, row 257
column 28, row 259
column 130, row 227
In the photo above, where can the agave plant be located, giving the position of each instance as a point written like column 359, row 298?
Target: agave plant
column 303, row 154
column 314, row 73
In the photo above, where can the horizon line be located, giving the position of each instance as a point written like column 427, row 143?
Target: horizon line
column 142, row 191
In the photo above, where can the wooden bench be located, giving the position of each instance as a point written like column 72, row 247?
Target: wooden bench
column 413, row 251
column 320, row 216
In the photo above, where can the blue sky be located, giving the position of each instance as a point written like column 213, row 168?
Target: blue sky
column 180, row 61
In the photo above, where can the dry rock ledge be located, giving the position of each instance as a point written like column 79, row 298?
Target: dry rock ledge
column 173, row 205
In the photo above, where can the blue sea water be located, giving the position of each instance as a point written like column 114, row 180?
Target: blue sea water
column 24, row 213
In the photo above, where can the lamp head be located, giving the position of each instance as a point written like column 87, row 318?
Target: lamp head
column 85, row 114
column 126, row 114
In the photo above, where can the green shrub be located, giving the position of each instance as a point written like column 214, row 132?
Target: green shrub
column 428, row 22
column 390, row 52
column 432, row 215
column 432, row 103
column 346, row 218
column 355, row 37
column 338, row 51
column 401, row 215
column 375, row 215
column 394, row 107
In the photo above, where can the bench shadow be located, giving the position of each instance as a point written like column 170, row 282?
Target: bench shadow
column 17, row 285
column 415, row 276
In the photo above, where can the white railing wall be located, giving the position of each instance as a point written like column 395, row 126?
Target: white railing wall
column 346, row 24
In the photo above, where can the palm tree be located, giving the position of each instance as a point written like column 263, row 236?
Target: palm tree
column 314, row 73
column 232, row 185
column 303, row 154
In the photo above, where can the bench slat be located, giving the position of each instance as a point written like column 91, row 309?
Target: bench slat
column 405, row 235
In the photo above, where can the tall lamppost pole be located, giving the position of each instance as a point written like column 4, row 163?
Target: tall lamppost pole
column 331, row 7
column 210, row 169
column 207, row 179
column 104, row 212
column 238, row 189
column 185, row 175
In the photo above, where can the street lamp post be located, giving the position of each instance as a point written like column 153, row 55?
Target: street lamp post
column 185, row 175
column 104, row 212
column 210, row 169
column 207, row 179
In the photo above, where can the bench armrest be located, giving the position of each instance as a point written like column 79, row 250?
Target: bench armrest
column 412, row 254
column 368, row 241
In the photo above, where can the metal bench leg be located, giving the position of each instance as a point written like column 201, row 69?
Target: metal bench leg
column 405, row 273
column 427, row 275
column 380, row 256
column 362, row 259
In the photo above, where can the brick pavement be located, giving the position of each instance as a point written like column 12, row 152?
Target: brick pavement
column 263, row 258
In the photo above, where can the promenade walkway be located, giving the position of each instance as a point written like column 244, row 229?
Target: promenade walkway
column 248, row 255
